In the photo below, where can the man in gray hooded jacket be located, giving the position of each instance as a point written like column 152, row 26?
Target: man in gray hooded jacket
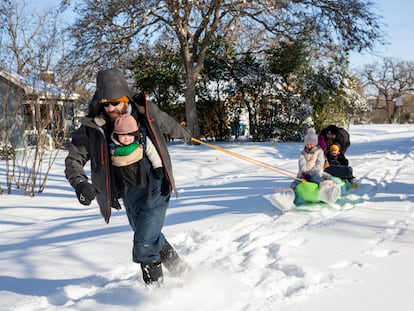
column 146, row 202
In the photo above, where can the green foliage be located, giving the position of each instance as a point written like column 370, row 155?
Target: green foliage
column 331, row 90
column 158, row 71
column 281, row 91
column 292, row 116
column 289, row 60
column 107, row 33
column 251, row 85
column 219, row 60
column 287, row 63
column 212, row 90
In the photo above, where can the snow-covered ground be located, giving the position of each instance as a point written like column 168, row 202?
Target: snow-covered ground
column 56, row 254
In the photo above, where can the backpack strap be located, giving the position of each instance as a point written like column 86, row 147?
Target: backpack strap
column 143, row 137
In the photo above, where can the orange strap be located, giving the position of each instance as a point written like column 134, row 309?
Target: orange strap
column 251, row 160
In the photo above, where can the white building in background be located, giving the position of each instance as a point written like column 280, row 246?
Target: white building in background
column 32, row 107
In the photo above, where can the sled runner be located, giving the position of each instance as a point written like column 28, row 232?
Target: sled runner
column 327, row 192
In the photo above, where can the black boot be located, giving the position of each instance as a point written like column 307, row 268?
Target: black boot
column 172, row 261
column 152, row 273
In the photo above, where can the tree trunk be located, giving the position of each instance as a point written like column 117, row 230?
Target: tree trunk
column 190, row 105
column 389, row 110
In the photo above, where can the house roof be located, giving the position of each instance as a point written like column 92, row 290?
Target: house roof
column 33, row 86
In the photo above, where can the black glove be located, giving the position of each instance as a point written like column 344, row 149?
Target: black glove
column 165, row 187
column 85, row 192
column 159, row 171
column 306, row 176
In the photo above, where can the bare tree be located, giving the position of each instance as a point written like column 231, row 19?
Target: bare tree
column 387, row 80
column 30, row 45
column 107, row 31
column 29, row 38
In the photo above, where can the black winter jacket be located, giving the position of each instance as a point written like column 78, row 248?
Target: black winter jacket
column 342, row 137
column 91, row 143
column 337, row 160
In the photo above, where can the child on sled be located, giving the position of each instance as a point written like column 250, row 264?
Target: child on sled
column 337, row 165
column 312, row 183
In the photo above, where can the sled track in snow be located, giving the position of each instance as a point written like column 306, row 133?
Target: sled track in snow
column 379, row 172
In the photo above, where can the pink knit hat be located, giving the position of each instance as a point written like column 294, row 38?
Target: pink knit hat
column 125, row 124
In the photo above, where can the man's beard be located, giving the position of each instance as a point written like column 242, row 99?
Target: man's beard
column 116, row 113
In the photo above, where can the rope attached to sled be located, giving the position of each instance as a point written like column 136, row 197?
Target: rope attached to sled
column 251, row 160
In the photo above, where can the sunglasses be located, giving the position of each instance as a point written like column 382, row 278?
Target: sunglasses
column 106, row 104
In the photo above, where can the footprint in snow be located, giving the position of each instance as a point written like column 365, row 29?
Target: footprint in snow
column 296, row 242
column 346, row 264
column 382, row 253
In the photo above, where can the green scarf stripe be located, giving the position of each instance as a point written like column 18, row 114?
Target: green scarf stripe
column 125, row 150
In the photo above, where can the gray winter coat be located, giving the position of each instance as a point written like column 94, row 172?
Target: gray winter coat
column 91, row 143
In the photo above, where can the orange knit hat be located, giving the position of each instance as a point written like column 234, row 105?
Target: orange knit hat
column 335, row 147
column 124, row 99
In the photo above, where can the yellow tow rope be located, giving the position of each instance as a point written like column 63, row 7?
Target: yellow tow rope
column 251, row 160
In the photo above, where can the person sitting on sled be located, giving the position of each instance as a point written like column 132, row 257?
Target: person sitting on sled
column 334, row 134
column 311, row 160
column 337, row 165
column 312, row 183
column 335, row 157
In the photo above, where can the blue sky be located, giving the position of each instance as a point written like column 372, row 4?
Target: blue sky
column 398, row 19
